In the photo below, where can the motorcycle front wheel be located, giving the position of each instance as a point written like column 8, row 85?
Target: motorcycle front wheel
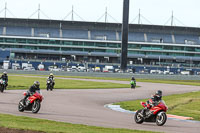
column 138, row 119
column 36, row 106
column 20, row 106
column 2, row 88
column 161, row 118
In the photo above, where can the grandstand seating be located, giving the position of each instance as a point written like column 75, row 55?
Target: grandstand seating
column 18, row 31
column 188, row 39
column 136, row 37
column 100, row 35
column 103, row 35
column 159, row 38
column 46, row 32
column 76, row 34
column 103, row 53
column 1, row 30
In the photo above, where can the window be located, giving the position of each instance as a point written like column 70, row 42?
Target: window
column 100, row 44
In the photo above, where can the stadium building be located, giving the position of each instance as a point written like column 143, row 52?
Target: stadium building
column 96, row 42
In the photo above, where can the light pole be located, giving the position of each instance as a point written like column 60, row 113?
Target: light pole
column 124, row 43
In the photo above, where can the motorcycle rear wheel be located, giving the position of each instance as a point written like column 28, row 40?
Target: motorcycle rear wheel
column 138, row 119
column 20, row 106
column 36, row 106
column 161, row 118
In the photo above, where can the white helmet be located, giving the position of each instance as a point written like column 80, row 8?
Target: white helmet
column 5, row 72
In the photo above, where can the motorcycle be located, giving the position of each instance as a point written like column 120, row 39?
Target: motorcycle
column 2, row 85
column 133, row 84
column 32, row 103
column 155, row 114
column 50, row 84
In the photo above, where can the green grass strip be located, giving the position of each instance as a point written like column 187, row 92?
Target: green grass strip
column 27, row 123
column 187, row 104
column 165, row 81
column 20, row 82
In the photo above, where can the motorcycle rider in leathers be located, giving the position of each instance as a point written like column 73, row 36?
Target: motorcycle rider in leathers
column 52, row 78
column 35, row 87
column 5, row 78
column 156, row 98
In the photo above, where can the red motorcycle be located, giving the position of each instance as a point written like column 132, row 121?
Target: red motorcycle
column 32, row 103
column 154, row 114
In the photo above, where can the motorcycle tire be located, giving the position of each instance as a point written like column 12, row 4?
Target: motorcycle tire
column 47, row 87
column 20, row 106
column 138, row 119
column 36, row 106
column 2, row 89
column 161, row 118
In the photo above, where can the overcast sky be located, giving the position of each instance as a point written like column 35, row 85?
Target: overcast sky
column 154, row 11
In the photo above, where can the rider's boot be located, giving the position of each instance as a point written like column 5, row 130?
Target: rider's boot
column 143, row 112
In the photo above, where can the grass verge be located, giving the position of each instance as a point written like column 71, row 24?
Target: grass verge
column 20, row 82
column 27, row 123
column 180, row 82
column 187, row 104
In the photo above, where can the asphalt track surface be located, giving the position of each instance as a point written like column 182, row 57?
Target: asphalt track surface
column 87, row 106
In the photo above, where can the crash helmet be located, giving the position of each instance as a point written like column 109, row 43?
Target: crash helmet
column 159, row 93
column 5, row 73
column 51, row 74
column 37, row 84
column 133, row 78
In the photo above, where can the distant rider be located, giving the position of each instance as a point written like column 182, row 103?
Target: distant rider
column 51, row 77
column 35, row 87
column 156, row 98
column 133, row 83
column 5, row 78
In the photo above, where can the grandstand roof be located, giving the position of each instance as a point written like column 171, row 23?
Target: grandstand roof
column 97, row 26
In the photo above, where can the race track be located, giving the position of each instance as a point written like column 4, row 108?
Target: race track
column 87, row 106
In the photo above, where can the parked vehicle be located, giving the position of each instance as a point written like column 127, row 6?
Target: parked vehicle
column 15, row 66
column 26, row 65
column 97, row 69
column 32, row 103
column 185, row 72
column 6, row 64
column 54, row 68
column 155, row 114
column 41, row 67
column 108, row 69
column 29, row 69
column 2, row 85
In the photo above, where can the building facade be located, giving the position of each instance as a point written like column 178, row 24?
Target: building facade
column 99, row 42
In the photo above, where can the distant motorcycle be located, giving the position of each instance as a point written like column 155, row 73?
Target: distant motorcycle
column 50, row 84
column 2, row 85
column 155, row 114
column 32, row 103
column 133, row 84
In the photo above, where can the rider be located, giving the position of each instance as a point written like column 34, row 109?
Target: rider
column 51, row 77
column 156, row 98
column 5, row 78
column 35, row 87
column 133, row 82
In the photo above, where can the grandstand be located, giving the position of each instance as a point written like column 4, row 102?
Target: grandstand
column 99, row 42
